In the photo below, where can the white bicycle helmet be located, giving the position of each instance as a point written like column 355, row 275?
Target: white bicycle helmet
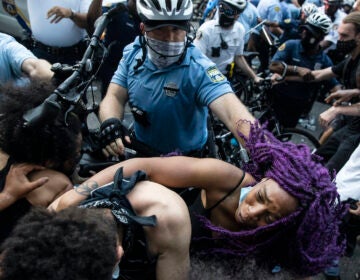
column 164, row 10
column 309, row 8
column 320, row 21
column 239, row 4
column 348, row 3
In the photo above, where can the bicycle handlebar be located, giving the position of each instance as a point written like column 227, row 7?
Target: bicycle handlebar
column 49, row 109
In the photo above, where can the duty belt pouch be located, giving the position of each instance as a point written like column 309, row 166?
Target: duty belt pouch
column 140, row 116
column 215, row 52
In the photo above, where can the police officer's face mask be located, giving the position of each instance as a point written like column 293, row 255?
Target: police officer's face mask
column 227, row 14
column 309, row 41
column 163, row 54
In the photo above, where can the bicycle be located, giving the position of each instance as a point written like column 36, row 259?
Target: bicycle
column 261, row 107
column 76, row 94
column 259, row 104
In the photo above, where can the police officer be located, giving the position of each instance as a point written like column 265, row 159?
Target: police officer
column 293, row 98
column 121, row 31
column 169, row 85
column 222, row 39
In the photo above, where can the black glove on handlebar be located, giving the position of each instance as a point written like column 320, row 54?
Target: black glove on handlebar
column 110, row 130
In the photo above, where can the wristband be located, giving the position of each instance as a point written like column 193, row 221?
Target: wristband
column 283, row 73
column 295, row 69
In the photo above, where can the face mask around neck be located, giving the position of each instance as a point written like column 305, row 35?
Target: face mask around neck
column 163, row 54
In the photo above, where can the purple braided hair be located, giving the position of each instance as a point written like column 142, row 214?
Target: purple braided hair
column 307, row 240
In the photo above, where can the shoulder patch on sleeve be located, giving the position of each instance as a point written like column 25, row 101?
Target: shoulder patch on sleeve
column 282, row 47
column 214, row 74
column 277, row 9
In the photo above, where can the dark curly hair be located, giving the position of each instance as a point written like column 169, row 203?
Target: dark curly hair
column 53, row 145
column 74, row 244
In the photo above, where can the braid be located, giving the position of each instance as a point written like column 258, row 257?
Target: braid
column 307, row 240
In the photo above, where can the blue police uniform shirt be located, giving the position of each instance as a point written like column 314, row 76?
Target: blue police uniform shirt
column 174, row 98
column 292, row 52
column 270, row 10
column 12, row 56
column 249, row 18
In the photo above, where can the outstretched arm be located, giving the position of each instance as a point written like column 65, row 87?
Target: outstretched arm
column 229, row 109
column 176, row 172
column 37, row 69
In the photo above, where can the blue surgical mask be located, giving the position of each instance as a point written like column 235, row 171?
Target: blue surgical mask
column 244, row 192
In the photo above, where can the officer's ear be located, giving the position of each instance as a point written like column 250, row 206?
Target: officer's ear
column 142, row 28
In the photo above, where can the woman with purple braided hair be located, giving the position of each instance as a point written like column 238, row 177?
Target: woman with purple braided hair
column 283, row 207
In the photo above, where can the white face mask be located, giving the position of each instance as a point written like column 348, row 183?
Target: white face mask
column 243, row 193
column 163, row 54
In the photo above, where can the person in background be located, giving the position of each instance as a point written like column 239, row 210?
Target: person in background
column 58, row 29
column 221, row 40
column 347, row 6
column 293, row 99
column 332, row 8
column 18, row 65
column 128, row 21
column 339, row 146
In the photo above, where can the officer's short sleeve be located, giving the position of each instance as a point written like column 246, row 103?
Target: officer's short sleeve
column 210, row 82
column 17, row 54
column 282, row 54
column 121, row 73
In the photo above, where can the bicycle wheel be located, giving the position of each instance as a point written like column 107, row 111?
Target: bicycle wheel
column 299, row 136
column 241, row 89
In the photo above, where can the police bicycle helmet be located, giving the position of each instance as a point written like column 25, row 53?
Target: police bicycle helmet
column 309, row 8
column 164, row 10
column 319, row 21
column 158, row 13
column 238, row 4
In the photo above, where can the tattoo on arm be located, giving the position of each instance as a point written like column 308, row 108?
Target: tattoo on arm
column 86, row 188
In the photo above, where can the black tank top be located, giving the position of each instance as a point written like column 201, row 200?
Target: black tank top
column 197, row 209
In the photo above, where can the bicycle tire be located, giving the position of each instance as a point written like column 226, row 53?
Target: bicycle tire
column 240, row 88
column 299, row 136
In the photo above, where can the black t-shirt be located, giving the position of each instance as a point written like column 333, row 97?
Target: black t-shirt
column 348, row 78
column 347, row 73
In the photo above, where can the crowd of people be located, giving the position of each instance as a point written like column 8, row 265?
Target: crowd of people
column 287, row 208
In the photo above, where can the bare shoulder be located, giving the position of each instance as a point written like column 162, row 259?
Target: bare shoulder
column 149, row 198
column 58, row 184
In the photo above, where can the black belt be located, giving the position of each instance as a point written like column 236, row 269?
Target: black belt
column 78, row 48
